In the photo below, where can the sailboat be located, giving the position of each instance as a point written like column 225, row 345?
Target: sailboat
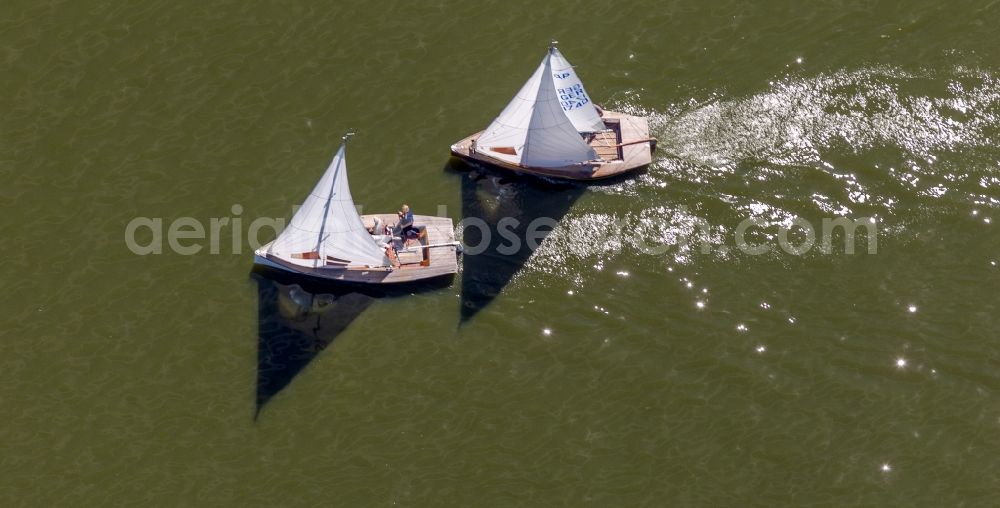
column 552, row 128
column 328, row 239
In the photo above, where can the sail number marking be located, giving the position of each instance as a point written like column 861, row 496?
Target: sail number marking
column 572, row 97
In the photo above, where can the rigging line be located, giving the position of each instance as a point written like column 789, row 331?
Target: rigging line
column 333, row 185
column 326, row 207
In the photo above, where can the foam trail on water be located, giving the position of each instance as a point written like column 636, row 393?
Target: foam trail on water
column 880, row 142
column 792, row 122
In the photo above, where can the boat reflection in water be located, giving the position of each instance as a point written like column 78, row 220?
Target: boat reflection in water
column 297, row 318
column 511, row 202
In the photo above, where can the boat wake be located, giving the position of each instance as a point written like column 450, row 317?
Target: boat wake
column 895, row 145
column 798, row 119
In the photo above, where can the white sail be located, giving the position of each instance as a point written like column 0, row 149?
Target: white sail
column 327, row 231
column 573, row 97
column 533, row 129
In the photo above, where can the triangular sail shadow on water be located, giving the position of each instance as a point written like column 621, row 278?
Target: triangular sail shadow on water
column 298, row 317
column 509, row 202
column 293, row 326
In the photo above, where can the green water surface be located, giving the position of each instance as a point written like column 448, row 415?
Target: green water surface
column 586, row 373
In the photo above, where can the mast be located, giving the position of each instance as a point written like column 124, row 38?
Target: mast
column 326, row 207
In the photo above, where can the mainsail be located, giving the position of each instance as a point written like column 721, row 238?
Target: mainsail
column 533, row 130
column 573, row 97
column 327, row 231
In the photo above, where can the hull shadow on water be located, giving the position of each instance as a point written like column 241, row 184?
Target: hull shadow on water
column 299, row 317
column 506, row 204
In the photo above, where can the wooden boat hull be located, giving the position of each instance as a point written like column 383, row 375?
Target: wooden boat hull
column 630, row 149
column 442, row 259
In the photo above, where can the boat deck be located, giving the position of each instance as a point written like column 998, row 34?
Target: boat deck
column 625, row 146
column 606, row 144
column 441, row 260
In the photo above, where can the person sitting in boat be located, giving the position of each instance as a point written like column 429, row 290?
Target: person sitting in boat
column 405, row 224
column 379, row 233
